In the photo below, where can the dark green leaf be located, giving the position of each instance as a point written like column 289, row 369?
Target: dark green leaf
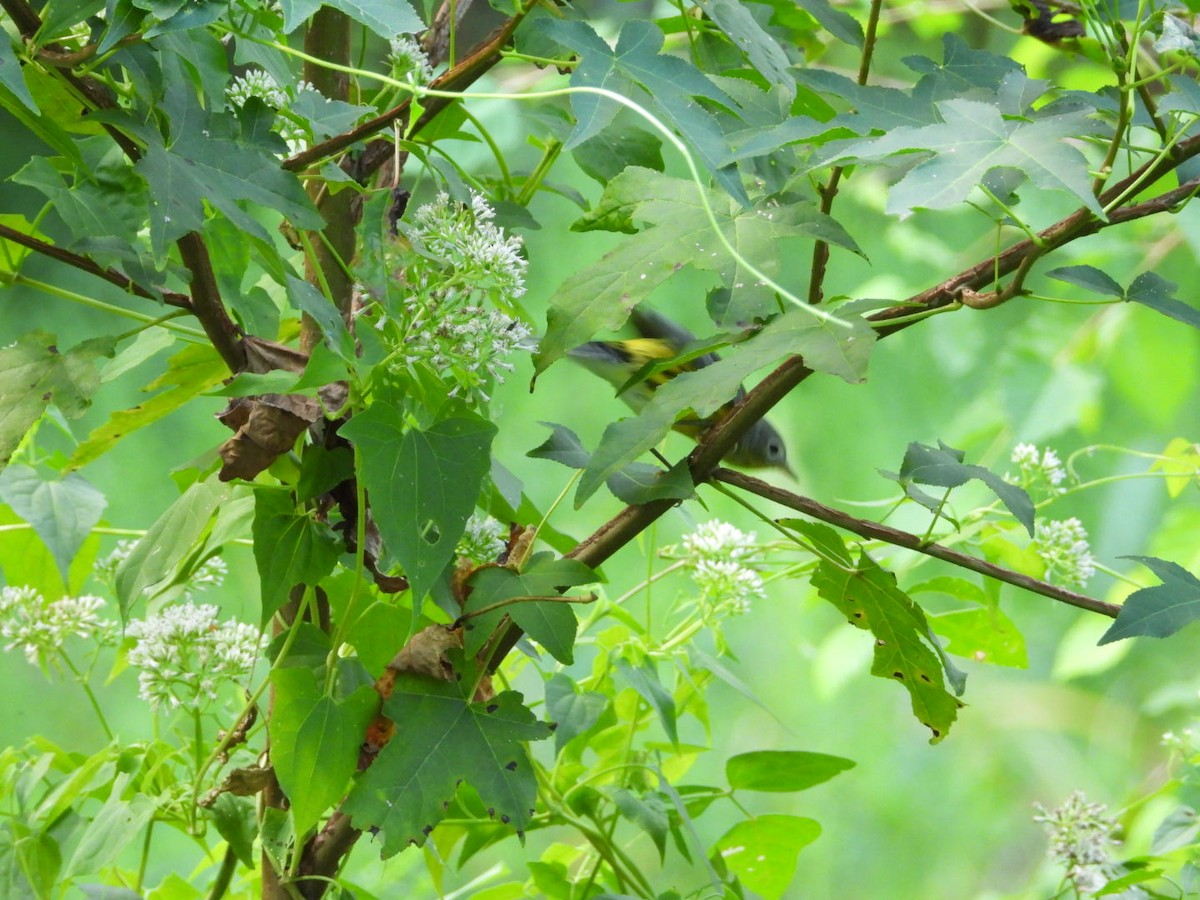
column 447, row 739
column 316, row 741
column 647, row 811
column 605, row 155
column 423, row 483
column 234, row 818
column 643, row 678
column 839, row 23
column 306, row 298
column 763, row 851
column 11, row 77
column 762, row 50
column 670, row 86
column 1154, row 291
column 34, row 373
column 387, row 18
column 61, row 511
column 942, row 466
column 572, row 712
column 780, row 771
column 290, row 548
column 1088, row 277
column 551, row 623
column 1158, row 611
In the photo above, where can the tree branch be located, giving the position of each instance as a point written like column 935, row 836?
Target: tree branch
column 875, row 531
column 85, row 264
column 482, row 57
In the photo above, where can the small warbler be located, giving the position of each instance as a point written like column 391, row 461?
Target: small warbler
column 616, row 362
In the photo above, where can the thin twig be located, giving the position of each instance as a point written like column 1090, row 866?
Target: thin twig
column 875, row 531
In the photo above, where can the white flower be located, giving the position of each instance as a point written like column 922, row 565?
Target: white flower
column 1042, row 471
column 1080, row 835
column 255, row 83
column 483, row 540
column 468, row 242
column 1063, row 547
column 717, row 540
column 40, row 629
column 726, row 587
column 106, row 568
column 408, row 60
column 185, row 655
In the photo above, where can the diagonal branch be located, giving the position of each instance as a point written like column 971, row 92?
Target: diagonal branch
column 876, row 531
column 85, row 264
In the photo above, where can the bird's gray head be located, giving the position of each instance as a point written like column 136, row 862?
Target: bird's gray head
column 761, row 447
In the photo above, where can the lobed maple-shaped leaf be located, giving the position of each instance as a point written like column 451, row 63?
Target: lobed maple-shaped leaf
column 678, row 234
column 637, row 69
column 871, row 600
column 444, row 739
column 972, row 139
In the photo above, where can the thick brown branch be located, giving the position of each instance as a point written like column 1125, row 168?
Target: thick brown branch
column 83, row 263
column 206, row 303
column 875, row 531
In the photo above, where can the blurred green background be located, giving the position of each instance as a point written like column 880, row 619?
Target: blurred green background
column 912, row 820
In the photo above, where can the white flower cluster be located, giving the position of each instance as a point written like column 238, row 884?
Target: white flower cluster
column 1036, row 471
column 719, row 556
column 409, row 62
column 261, row 84
column 1080, row 835
column 475, row 249
column 1063, row 547
column 462, row 259
column 40, row 629
column 483, row 540
column 210, row 573
column 185, row 654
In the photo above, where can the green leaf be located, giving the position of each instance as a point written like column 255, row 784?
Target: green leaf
column 199, row 167
column 110, row 203
column 423, row 483
column 308, row 299
column 168, row 542
column 34, row 373
column 647, row 811
column 1088, row 277
column 572, row 711
column 315, row 741
column 235, row 821
column 387, row 18
column 762, row 852
column 972, row 140
column 780, row 771
column 447, row 739
column 839, row 348
column 290, row 548
column 190, row 372
column 634, row 484
column 61, row 511
column 669, row 85
column 1180, row 460
column 11, row 77
column 1154, row 291
column 1158, row 611
column 871, row 600
column 982, row 635
column 643, row 678
column 117, row 824
column 762, row 50
column 839, row 23
column 605, row 155
column 943, row 466
column 600, row 297
column 551, row 623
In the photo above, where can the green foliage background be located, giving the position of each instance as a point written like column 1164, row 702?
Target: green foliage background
column 912, row 820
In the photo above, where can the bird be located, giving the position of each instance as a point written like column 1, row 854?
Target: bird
column 761, row 447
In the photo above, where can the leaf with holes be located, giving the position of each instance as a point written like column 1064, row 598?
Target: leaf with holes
column 871, row 600
column 447, row 739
